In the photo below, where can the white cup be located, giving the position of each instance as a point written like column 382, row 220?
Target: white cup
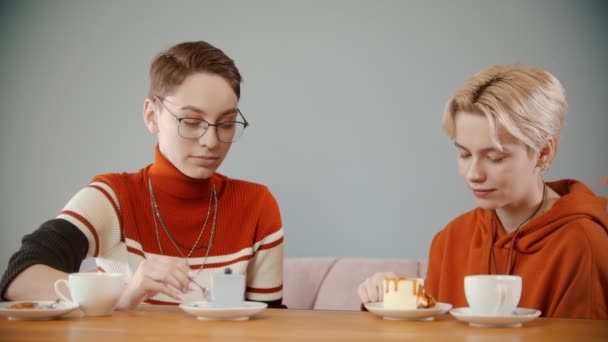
column 96, row 293
column 227, row 290
column 492, row 295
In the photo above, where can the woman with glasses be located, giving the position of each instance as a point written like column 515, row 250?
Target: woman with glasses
column 171, row 225
column 505, row 123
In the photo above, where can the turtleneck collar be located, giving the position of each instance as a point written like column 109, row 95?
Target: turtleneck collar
column 166, row 178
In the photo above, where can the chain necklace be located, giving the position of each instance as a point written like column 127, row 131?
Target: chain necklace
column 156, row 216
column 516, row 231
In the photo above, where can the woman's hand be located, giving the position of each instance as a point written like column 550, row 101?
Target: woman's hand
column 157, row 274
column 371, row 290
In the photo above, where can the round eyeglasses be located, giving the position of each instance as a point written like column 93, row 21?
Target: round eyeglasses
column 193, row 128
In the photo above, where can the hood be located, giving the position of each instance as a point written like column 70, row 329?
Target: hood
column 577, row 202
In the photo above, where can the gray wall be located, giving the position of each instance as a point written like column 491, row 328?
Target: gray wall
column 345, row 100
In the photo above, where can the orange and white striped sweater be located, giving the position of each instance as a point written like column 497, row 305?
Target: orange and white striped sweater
column 115, row 214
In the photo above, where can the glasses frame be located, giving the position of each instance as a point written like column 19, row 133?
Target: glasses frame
column 179, row 122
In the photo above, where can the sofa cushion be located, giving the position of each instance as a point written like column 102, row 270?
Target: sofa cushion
column 339, row 289
column 302, row 278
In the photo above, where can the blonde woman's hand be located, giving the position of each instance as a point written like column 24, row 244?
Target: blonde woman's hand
column 170, row 276
column 371, row 289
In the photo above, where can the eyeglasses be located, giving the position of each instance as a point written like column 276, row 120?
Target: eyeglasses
column 192, row 128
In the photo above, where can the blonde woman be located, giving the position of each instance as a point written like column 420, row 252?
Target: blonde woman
column 505, row 123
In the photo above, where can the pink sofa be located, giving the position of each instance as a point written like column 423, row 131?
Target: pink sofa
column 330, row 283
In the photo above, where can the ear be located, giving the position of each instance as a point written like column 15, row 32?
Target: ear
column 150, row 117
column 546, row 155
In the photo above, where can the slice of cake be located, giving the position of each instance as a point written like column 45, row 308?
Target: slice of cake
column 406, row 294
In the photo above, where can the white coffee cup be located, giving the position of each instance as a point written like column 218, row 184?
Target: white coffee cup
column 96, row 293
column 492, row 295
column 227, row 289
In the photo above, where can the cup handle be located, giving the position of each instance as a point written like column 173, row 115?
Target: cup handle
column 58, row 291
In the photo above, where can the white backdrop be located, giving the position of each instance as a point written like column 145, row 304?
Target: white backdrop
column 344, row 99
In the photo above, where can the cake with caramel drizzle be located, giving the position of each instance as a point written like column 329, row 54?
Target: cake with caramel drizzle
column 406, row 294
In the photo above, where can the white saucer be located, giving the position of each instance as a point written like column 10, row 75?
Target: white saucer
column 515, row 320
column 206, row 311
column 49, row 310
column 378, row 309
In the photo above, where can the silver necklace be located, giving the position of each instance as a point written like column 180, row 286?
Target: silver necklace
column 156, row 215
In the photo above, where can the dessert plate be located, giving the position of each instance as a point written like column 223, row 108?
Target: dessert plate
column 515, row 320
column 378, row 309
column 41, row 310
column 206, row 311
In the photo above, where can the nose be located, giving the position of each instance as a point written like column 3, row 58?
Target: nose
column 475, row 172
column 208, row 138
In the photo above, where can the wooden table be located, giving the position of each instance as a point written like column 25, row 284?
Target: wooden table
column 289, row 325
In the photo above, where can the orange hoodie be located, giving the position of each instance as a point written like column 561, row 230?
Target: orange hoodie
column 561, row 255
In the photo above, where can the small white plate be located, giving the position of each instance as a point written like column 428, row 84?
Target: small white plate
column 378, row 309
column 44, row 312
column 515, row 320
column 206, row 311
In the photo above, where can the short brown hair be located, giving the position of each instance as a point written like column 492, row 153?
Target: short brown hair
column 170, row 68
column 528, row 103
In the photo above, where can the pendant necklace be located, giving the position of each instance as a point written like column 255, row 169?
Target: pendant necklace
column 516, row 231
column 156, row 216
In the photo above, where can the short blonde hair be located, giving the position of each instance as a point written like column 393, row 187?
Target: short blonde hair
column 528, row 103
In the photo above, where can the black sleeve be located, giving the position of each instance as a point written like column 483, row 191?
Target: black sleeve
column 275, row 304
column 57, row 243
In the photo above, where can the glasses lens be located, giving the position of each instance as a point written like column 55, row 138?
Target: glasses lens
column 192, row 128
column 230, row 131
column 226, row 131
